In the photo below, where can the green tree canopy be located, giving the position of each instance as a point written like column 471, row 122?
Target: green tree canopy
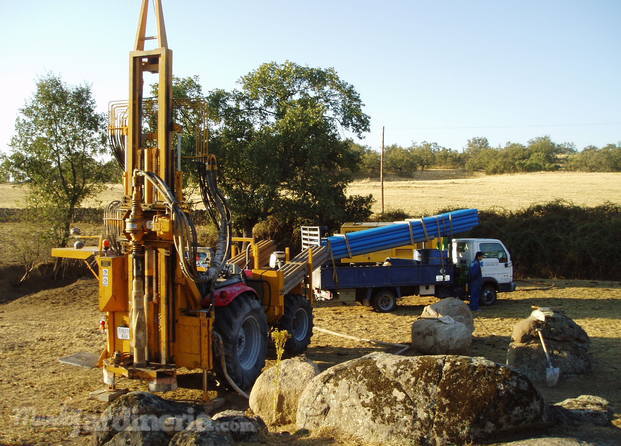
column 58, row 135
column 281, row 145
column 592, row 159
column 400, row 161
column 5, row 176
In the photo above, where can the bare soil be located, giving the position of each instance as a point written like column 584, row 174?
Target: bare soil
column 43, row 401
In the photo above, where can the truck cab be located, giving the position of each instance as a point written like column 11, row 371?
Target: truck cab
column 496, row 266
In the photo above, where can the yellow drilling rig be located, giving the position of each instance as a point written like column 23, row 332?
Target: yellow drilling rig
column 162, row 312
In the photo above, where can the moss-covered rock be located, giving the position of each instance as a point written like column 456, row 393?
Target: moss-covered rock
column 145, row 412
column 393, row 399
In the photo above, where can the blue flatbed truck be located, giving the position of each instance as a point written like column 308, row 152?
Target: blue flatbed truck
column 438, row 275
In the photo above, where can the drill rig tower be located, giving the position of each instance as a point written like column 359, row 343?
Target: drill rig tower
column 160, row 310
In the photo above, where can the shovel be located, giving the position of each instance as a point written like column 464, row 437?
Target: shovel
column 552, row 373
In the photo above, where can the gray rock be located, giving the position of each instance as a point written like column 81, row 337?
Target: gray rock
column 201, row 432
column 240, row 426
column 393, row 399
column 437, row 336
column 556, row 327
column 279, row 404
column 585, row 409
column 567, row 343
column 455, row 308
column 139, row 438
column 550, row 441
column 143, row 411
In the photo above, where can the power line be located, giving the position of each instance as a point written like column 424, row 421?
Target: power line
column 583, row 124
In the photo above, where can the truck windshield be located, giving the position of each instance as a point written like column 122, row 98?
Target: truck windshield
column 494, row 251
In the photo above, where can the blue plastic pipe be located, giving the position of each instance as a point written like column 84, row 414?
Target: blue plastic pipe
column 400, row 234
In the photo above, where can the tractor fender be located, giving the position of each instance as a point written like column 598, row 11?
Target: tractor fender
column 224, row 296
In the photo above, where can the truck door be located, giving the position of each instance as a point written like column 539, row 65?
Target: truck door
column 497, row 263
column 462, row 252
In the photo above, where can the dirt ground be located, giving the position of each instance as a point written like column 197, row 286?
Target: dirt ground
column 45, row 402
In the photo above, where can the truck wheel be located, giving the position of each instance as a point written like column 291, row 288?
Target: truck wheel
column 243, row 327
column 298, row 321
column 384, row 301
column 488, row 294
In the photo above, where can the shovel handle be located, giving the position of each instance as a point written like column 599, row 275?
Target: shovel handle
column 545, row 349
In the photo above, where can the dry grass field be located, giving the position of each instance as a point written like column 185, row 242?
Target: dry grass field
column 437, row 189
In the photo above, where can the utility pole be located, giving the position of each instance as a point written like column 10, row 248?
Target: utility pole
column 382, row 170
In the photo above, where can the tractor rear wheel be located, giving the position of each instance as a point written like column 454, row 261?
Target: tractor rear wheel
column 243, row 327
column 298, row 321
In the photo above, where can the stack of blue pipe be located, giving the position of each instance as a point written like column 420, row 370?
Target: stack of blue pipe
column 400, row 234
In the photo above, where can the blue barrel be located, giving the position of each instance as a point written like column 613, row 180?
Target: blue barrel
column 431, row 256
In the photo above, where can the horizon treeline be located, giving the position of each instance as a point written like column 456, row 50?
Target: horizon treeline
column 539, row 154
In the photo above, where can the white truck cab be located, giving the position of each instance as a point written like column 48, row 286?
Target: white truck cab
column 496, row 266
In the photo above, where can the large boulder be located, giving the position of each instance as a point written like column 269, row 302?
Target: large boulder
column 444, row 335
column 274, row 396
column 455, row 308
column 393, row 399
column 144, row 412
column 567, row 343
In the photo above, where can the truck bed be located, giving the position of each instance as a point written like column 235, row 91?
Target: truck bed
column 372, row 276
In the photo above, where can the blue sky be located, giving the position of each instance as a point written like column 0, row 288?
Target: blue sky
column 442, row 71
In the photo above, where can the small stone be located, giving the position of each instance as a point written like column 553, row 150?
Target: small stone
column 240, row 426
column 455, row 308
column 444, row 335
column 585, row 409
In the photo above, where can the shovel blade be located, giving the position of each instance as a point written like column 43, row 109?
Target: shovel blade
column 552, row 375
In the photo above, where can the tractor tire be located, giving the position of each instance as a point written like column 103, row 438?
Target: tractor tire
column 384, row 300
column 243, row 327
column 298, row 321
column 488, row 294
